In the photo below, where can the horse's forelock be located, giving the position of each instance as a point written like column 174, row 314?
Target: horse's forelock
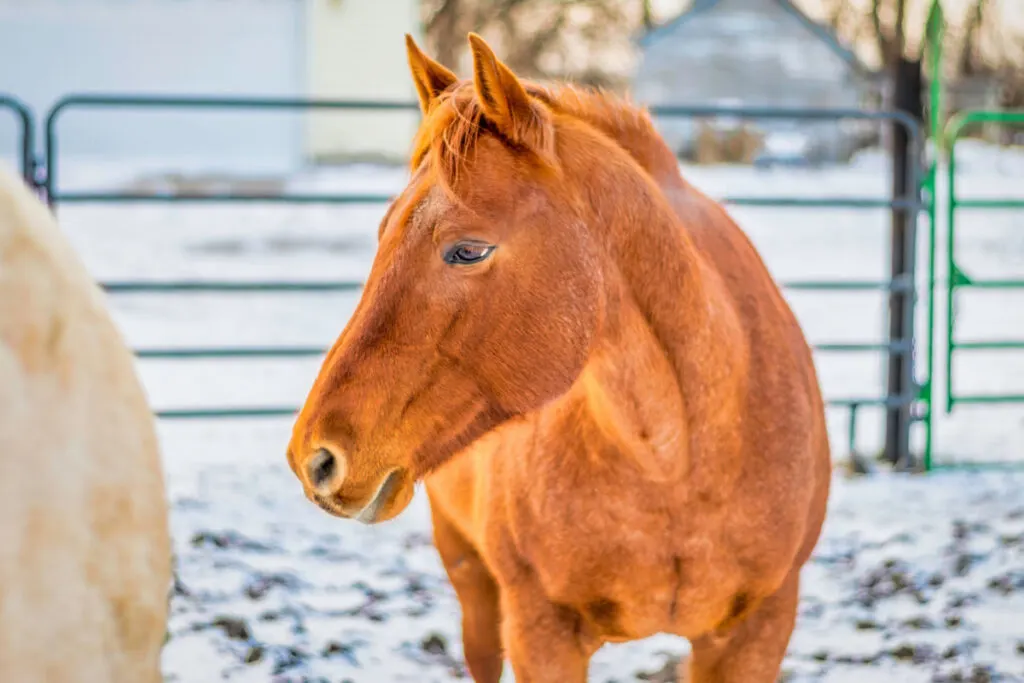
column 450, row 131
column 448, row 134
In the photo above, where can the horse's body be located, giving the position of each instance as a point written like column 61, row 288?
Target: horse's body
column 626, row 411
column 85, row 561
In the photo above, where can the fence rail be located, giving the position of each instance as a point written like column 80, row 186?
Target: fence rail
column 188, row 102
column 903, row 393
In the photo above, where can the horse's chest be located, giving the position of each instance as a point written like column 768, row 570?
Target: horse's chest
column 630, row 567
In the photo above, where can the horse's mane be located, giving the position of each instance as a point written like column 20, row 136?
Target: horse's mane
column 451, row 129
column 629, row 125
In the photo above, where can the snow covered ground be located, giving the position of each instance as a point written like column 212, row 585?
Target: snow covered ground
column 916, row 579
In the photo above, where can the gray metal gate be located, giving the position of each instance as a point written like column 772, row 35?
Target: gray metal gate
column 902, row 394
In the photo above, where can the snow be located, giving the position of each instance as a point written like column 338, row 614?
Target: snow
column 915, row 579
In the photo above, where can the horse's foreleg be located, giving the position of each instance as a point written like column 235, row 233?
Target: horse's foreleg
column 543, row 640
column 753, row 650
column 478, row 597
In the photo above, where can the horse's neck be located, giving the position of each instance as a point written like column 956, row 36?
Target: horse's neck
column 672, row 284
column 670, row 290
column 628, row 402
column 669, row 280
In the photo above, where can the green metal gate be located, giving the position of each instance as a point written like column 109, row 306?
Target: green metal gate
column 958, row 280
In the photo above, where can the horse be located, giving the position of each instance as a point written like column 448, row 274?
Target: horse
column 615, row 413
column 85, row 558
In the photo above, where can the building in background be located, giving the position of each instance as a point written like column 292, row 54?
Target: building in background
column 356, row 50
column 753, row 53
column 341, row 49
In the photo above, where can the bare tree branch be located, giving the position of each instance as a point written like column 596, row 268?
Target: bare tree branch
column 646, row 15
column 899, row 32
column 967, row 61
column 444, row 31
column 879, row 32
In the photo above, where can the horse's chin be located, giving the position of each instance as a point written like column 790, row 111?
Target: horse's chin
column 391, row 499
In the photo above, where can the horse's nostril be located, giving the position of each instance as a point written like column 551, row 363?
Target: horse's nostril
column 321, row 468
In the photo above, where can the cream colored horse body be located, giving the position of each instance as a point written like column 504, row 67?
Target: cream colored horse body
column 85, row 562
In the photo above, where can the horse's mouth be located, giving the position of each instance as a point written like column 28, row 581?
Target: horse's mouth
column 370, row 513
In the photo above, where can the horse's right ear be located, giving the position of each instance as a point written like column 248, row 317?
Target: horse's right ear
column 430, row 77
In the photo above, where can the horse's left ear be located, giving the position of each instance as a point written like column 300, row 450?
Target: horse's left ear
column 506, row 102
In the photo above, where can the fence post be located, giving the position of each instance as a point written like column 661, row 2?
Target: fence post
column 26, row 138
column 908, row 90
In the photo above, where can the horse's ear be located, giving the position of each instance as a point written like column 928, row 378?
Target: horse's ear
column 430, row 77
column 504, row 99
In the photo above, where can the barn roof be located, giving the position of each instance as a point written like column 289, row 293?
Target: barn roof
column 823, row 33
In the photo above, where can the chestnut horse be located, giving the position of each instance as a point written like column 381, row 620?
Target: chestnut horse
column 615, row 413
column 85, row 555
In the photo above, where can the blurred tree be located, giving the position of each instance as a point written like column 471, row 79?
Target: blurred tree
column 978, row 40
column 983, row 49
column 590, row 41
column 583, row 40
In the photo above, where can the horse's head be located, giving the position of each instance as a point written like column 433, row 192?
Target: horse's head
column 481, row 303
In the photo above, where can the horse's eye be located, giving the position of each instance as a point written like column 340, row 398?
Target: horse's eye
column 468, row 252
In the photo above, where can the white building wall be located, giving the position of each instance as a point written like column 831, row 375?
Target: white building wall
column 338, row 49
column 357, row 51
column 49, row 48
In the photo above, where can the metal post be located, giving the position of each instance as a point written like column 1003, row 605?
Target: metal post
column 907, row 97
column 50, row 152
column 26, row 126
